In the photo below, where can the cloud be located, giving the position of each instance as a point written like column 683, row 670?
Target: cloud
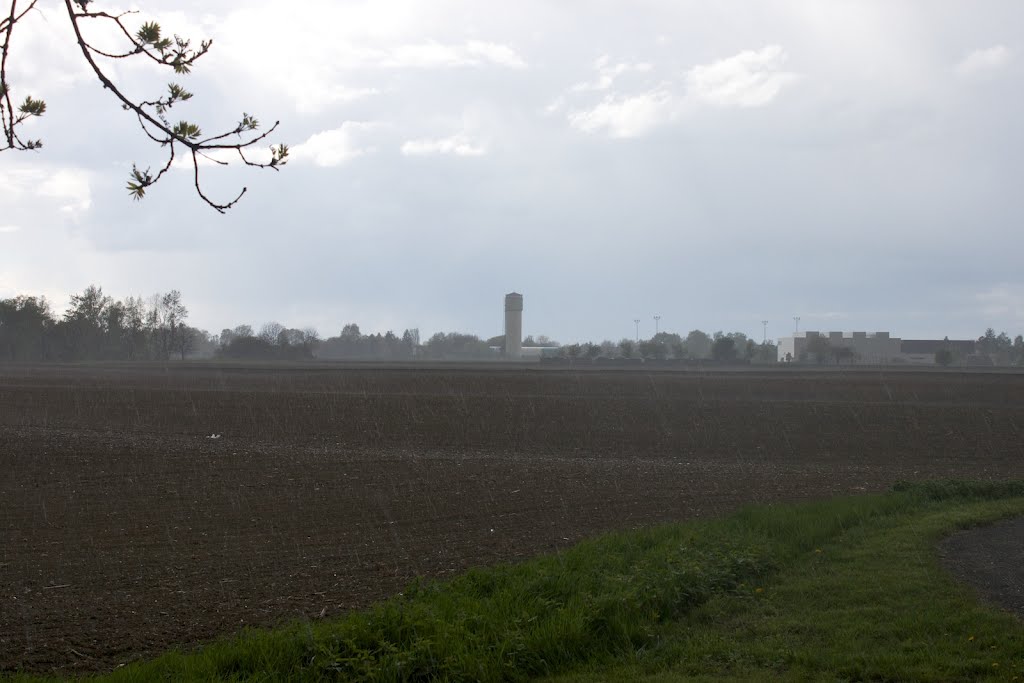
column 312, row 94
column 459, row 145
column 64, row 188
column 1004, row 301
column 827, row 315
column 607, row 73
column 495, row 53
column 336, row 51
column 333, row 147
column 9, row 228
column 752, row 78
column 983, row 61
column 432, row 55
column 627, row 116
column 46, row 31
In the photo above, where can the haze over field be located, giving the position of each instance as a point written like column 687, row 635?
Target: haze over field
column 856, row 164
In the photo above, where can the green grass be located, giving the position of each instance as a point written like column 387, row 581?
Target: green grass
column 847, row 589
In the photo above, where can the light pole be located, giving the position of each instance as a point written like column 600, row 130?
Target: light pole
column 764, row 324
column 657, row 319
column 636, row 321
column 796, row 324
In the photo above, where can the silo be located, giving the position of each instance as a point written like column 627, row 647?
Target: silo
column 513, row 325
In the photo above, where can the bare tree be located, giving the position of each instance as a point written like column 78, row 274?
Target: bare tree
column 146, row 42
column 271, row 332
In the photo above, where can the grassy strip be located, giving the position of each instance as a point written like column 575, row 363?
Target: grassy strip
column 870, row 603
column 843, row 589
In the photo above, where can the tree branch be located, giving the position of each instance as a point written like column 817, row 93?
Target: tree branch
column 30, row 107
column 177, row 54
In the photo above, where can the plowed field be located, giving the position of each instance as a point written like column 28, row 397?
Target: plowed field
column 144, row 507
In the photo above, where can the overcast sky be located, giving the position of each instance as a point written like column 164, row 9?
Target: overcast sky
column 857, row 164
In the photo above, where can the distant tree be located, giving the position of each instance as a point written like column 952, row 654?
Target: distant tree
column 295, row 337
column 740, row 343
column 411, row 343
column 247, row 348
column 84, row 323
column 592, row 351
column 820, row 348
column 944, row 357
column 271, row 332
column 987, row 342
column 663, row 345
column 457, row 345
column 723, row 348
column 750, row 350
column 226, row 337
column 842, row 354
column 136, row 343
column 609, row 349
column 626, row 348
column 175, row 316
column 114, row 320
column 26, row 329
column 200, row 344
column 767, row 352
column 997, row 347
column 698, row 344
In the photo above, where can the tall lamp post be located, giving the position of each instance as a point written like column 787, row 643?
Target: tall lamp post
column 657, row 319
column 636, row 321
column 796, row 324
column 764, row 324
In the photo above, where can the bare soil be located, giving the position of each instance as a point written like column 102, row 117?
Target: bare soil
column 125, row 529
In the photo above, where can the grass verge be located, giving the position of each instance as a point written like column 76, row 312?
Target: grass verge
column 847, row 589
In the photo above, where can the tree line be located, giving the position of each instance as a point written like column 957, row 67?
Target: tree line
column 97, row 327
column 697, row 345
column 998, row 348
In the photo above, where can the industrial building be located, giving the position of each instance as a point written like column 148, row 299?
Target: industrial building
column 922, row 351
column 868, row 347
column 873, row 348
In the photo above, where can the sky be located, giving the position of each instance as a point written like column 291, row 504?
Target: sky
column 856, row 164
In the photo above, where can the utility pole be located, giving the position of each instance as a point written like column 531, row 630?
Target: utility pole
column 657, row 319
column 764, row 339
column 796, row 324
column 636, row 321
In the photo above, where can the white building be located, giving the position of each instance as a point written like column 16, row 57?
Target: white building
column 876, row 348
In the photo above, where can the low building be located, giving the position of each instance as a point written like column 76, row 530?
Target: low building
column 922, row 351
column 867, row 348
column 877, row 348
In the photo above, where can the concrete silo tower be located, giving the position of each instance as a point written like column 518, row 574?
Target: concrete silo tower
column 513, row 325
